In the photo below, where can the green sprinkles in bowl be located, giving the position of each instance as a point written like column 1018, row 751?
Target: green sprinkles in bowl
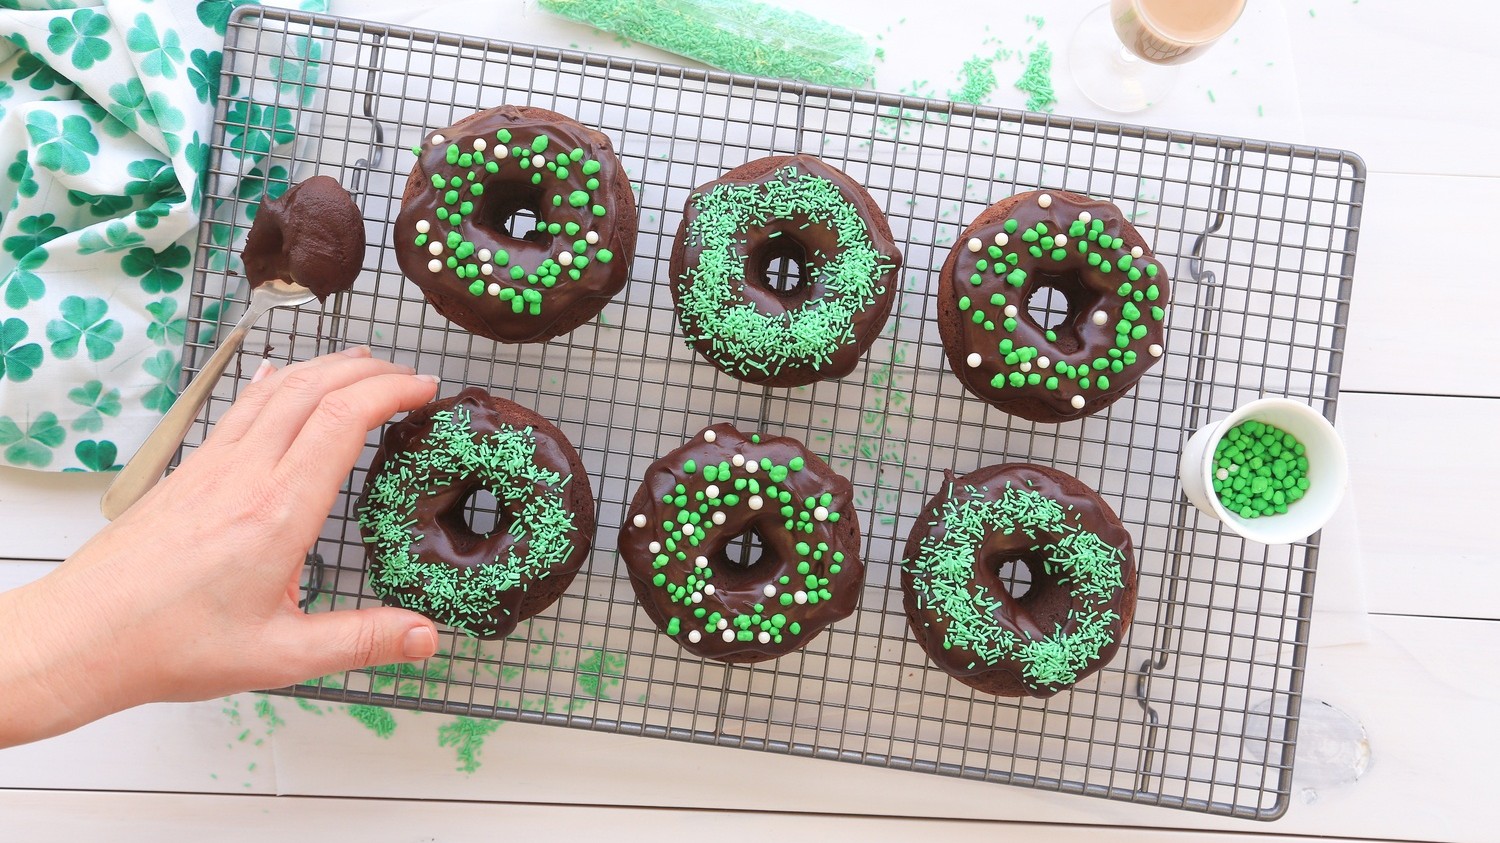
column 1259, row 470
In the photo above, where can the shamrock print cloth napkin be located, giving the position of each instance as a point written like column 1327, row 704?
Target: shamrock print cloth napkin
column 105, row 114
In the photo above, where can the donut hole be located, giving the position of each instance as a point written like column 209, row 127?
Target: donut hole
column 482, row 513
column 514, row 213
column 1022, row 576
column 780, row 268
column 1015, row 575
column 735, row 567
column 1053, row 302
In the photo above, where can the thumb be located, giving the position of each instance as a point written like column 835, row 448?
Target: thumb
column 332, row 642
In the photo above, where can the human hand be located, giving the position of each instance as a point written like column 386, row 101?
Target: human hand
column 192, row 592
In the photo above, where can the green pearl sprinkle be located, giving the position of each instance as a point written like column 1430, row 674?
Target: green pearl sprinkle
column 578, row 198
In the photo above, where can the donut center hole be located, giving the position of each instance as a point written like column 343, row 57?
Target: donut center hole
column 482, row 513
column 514, row 214
column 738, row 565
column 1015, row 575
column 1050, row 304
column 781, row 269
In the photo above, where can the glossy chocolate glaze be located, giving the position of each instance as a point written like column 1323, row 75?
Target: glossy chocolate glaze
column 787, row 238
column 312, row 235
column 445, row 535
column 738, row 589
column 571, row 302
column 1047, row 602
column 1079, row 340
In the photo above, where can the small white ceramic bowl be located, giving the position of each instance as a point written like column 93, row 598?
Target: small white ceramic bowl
column 1327, row 471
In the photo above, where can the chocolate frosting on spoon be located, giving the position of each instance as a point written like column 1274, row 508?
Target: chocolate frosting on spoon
column 312, row 235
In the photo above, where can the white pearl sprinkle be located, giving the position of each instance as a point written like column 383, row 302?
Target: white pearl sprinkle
column 756, row 503
column 1025, row 365
column 423, row 226
column 484, row 254
column 738, row 459
column 974, row 360
column 435, row 247
column 1085, row 216
column 1043, row 362
column 1045, row 200
column 1077, row 402
column 711, row 492
column 1222, row 474
column 769, row 590
column 639, row 521
column 820, row 514
column 723, row 622
column 437, row 139
column 1001, row 238
column 764, row 638
column 493, row 289
column 700, row 562
column 566, row 258
column 709, row 589
column 800, row 597
column 708, row 435
column 1010, row 310
column 1233, row 468
column 479, row 144
column 1136, row 251
column 1100, row 317
column 687, row 530
column 728, row 635
column 974, row 244
column 654, row 547
column 751, row 466
column 697, row 597
column 695, row 636
column 1060, row 240
column 486, row 269
column 435, row 265
column 591, row 237
column 501, row 151
column 1154, row 350
column 538, row 161
column 717, row 518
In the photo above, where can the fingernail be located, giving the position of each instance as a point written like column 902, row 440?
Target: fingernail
column 265, row 368
column 420, row 643
column 356, row 351
column 429, row 378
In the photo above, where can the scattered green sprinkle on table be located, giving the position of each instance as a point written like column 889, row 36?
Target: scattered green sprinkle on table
column 758, row 39
column 1259, row 470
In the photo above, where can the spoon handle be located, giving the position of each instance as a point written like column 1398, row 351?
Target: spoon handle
column 150, row 462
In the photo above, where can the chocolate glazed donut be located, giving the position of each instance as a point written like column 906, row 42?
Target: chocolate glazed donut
column 452, row 236
column 796, row 208
column 722, row 485
column 1083, row 580
column 1083, row 249
column 422, row 553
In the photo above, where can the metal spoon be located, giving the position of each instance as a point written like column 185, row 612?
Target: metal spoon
column 150, row 462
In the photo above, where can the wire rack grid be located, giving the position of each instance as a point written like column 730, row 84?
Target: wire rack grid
column 1200, row 708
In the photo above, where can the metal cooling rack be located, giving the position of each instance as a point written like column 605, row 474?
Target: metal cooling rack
column 1199, row 710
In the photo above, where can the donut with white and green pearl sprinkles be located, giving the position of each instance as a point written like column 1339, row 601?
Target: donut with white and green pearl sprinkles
column 1065, row 626
column 456, row 234
column 680, row 531
column 794, row 208
column 422, row 552
column 1086, row 251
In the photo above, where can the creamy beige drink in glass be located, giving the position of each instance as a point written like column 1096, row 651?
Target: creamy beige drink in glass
column 1121, row 53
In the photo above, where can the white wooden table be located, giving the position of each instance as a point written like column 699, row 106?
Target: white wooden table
column 1405, row 634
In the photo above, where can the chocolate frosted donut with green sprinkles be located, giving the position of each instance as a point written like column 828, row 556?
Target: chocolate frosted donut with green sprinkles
column 1084, row 251
column 798, row 209
column 458, row 234
column 423, row 555
column 1081, row 598
column 688, row 538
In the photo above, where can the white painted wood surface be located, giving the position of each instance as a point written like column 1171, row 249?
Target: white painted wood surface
column 1408, row 86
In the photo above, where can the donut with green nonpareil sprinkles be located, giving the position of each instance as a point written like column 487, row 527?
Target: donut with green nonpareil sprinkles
column 778, row 211
column 463, row 234
column 422, row 552
column 743, row 548
column 1081, row 597
column 1076, row 250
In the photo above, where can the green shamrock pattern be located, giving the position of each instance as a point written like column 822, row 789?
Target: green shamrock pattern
column 111, row 108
